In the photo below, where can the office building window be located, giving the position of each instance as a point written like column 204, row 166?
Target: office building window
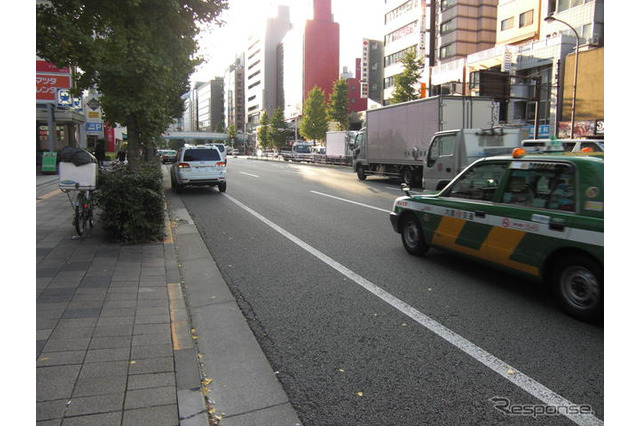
column 506, row 24
column 526, row 18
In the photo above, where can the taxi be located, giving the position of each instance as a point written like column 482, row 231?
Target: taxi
column 537, row 215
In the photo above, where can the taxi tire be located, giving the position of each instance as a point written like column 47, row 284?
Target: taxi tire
column 579, row 287
column 412, row 236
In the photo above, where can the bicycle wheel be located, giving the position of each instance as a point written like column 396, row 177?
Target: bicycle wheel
column 81, row 216
column 79, row 220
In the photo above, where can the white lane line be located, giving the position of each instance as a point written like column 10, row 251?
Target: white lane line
column 516, row 377
column 352, row 202
column 249, row 174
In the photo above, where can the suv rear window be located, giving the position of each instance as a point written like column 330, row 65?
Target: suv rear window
column 201, row 155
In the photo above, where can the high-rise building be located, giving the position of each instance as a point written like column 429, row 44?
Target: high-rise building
column 234, row 102
column 321, row 49
column 406, row 27
column 261, row 68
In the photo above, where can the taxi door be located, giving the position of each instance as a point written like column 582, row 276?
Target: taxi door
column 466, row 209
column 536, row 209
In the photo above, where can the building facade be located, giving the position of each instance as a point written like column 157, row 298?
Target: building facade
column 321, row 50
column 261, row 65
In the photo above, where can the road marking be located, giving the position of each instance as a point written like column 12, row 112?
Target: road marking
column 352, row 202
column 505, row 370
column 249, row 174
column 48, row 195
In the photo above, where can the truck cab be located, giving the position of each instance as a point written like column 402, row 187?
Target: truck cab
column 449, row 152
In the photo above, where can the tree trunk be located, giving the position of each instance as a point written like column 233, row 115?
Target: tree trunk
column 133, row 147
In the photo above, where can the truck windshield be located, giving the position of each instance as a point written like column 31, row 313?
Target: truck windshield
column 302, row 149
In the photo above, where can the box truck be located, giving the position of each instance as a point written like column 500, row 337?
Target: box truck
column 395, row 139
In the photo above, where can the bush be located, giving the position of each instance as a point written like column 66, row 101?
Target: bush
column 132, row 203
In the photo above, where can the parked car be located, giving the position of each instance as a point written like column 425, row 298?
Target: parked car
column 167, row 155
column 199, row 165
column 222, row 148
column 541, row 216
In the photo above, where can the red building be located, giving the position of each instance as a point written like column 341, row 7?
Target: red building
column 321, row 50
column 356, row 102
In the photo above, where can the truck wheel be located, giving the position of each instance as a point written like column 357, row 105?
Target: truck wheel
column 579, row 287
column 360, row 172
column 412, row 236
column 407, row 176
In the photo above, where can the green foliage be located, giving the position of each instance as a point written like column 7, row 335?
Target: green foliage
column 315, row 123
column 277, row 129
column 338, row 109
column 263, row 130
column 138, row 54
column 405, row 82
column 132, row 203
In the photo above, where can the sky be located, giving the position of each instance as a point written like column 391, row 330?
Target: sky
column 358, row 19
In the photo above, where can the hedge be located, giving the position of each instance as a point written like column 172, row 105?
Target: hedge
column 132, row 203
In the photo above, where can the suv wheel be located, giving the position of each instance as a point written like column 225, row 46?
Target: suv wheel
column 222, row 186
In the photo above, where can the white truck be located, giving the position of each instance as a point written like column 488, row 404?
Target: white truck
column 337, row 149
column 451, row 151
column 395, row 140
column 300, row 151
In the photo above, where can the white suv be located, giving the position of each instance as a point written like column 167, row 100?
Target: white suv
column 199, row 165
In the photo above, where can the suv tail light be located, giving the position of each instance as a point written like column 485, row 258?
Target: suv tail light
column 221, row 163
column 184, row 166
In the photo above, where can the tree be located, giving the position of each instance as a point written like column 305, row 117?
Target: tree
column 137, row 54
column 338, row 108
column 231, row 133
column 405, row 83
column 314, row 124
column 263, row 130
column 277, row 129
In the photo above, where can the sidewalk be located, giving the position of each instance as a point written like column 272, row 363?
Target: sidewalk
column 125, row 337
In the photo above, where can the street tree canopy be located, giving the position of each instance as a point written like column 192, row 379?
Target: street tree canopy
column 138, row 54
column 277, row 129
column 406, row 82
column 338, row 108
column 314, row 124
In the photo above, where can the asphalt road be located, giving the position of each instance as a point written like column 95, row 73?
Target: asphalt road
column 361, row 333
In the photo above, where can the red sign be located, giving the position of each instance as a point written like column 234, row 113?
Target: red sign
column 48, row 68
column 48, row 84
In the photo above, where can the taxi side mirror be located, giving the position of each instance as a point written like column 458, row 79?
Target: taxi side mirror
column 405, row 188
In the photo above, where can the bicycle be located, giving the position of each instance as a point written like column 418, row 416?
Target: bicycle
column 82, row 205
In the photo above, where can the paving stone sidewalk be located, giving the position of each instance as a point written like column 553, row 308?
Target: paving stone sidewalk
column 112, row 334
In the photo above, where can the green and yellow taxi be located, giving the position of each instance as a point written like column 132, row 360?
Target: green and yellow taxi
column 537, row 215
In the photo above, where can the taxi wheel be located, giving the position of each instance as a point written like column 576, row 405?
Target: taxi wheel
column 412, row 236
column 579, row 287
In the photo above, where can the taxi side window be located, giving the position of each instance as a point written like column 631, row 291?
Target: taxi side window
column 542, row 186
column 478, row 183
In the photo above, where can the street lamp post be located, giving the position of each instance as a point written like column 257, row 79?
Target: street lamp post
column 575, row 71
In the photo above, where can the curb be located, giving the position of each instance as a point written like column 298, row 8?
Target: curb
column 192, row 404
column 222, row 373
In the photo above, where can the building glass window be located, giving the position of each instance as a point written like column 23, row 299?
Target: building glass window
column 447, row 26
column 526, row 18
column 506, row 24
